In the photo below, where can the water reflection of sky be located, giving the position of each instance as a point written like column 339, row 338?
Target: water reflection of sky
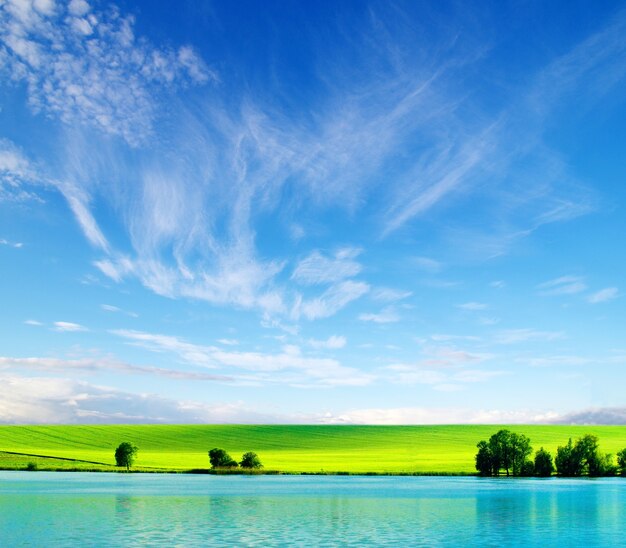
column 133, row 510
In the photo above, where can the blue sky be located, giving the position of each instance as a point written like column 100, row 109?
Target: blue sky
column 353, row 212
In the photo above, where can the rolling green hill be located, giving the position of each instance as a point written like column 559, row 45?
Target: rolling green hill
column 355, row 449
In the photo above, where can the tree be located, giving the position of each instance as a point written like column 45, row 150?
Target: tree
column 250, row 460
column 221, row 459
column 621, row 461
column 568, row 460
column 507, row 450
column 520, row 451
column 484, row 459
column 543, row 464
column 125, row 454
column 583, row 457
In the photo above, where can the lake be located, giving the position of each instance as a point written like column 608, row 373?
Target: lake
column 101, row 509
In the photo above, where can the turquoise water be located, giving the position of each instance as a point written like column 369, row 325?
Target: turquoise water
column 83, row 509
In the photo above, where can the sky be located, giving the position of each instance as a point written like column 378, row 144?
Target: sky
column 312, row 212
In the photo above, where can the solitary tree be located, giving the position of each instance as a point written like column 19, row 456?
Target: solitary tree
column 221, row 459
column 543, row 463
column 125, row 454
column 250, row 460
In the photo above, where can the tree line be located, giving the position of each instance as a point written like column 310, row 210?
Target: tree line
column 510, row 453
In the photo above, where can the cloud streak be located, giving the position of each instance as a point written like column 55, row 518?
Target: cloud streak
column 289, row 366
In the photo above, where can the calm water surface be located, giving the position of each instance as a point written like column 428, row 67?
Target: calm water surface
column 83, row 509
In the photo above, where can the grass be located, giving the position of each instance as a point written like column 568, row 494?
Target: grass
column 311, row 449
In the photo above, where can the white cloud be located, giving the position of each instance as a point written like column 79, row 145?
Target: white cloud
column 434, row 415
column 44, row 400
column 604, row 295
column 68, row 327
column 333, row 342
column 387, row 294
column 565, row 285
column 498, row 284
column 79, row 8
column 16, row 245
column 442, row 337
column 228, row 342
column 331, row 301
column 514, row 336
column 106, row 365
column 295, row 368
column 472, row 306
column 387, row 315
column 551, row 361
column 16, row 172
column 90, row 68
column 78, row 202
column 318, row 269
column 115, row 309
column 33, row 322
column 443, row 368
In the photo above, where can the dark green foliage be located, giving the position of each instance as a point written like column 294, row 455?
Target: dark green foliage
column 125, row 454
column 568, row 460
column 520, row 451
column 543, row 464
column 582, row 458
column 31, row 466
column 221, row 459
column 505, row 450
column 528, row 469
column 621, row 462
column 250, row 460
column 484, row 459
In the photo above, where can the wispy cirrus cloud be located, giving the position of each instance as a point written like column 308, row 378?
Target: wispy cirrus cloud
column 604, row 295
column 565, row 285
column 68, row 327
column 35, row 323
column 318, row 269
column 386, row 315
column 330, row 301
column 387, row 294
column 473, row 306
column 15, row 245
column 289, row 366
column 515, row 336
column 95, row 365
column 115, row 309
column 333, row 342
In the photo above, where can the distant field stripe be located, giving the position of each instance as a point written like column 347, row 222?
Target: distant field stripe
column 53, row 457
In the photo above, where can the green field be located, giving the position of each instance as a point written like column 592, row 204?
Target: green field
column 355, row 449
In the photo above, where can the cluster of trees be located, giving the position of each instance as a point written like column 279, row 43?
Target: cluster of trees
column 511, row 452
column 221, row 459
